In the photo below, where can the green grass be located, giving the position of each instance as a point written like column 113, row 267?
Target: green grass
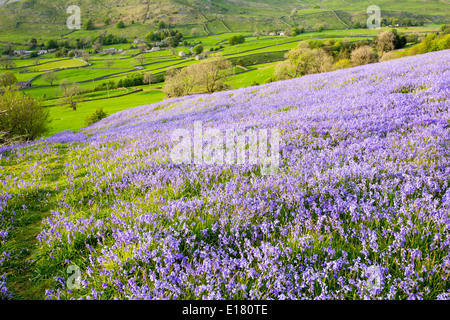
column 65, row 118
column 257, row 74
column 63, row 64
column 256, row 53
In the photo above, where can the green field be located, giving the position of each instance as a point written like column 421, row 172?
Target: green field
column 259, row 56
column 215, row 22
column 66, row 119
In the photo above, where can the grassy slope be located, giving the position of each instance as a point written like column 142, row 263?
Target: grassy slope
column 253, row 51
column 47, row 18
column 23, row 238
column 66, row 119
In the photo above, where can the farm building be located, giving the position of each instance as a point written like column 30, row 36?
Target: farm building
column 21, row 52
column 24, row 84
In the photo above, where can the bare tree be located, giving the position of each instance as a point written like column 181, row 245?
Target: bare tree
column 194, row 32
column 63, row 85
column 72, row 96
column 143, row 47
column 86, row 56
column 7, row 63
column 109, row 62
column 149, row 78
column 97, row 46
column 140, row 59
column 50, row 77
column 173, row 51
column 205, row 77
column 363, row 55
column 302, row 61
column 212, row 71
column 385, row 41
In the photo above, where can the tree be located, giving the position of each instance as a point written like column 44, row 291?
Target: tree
column 98, row 115
column 143, row 47
column 88, row 24
column 198, row 49
column 302, row 61
column 205, row 76
column 52, row 44
column 363, row 55
column 385, row 41
column 149, row 37
column 63, row 85
column 357, row 25
column 97, row 46
column 320, row 26
column 107, row 22
column 8, row 49
column 120, row 24
column 109, row 62
column 72, row 95
column 194, row 32
column 22, row 117
column 61, row 52
column 161, row 25
column 171, row 42
column 50, row 77
column 140, row 59
column 32, row 43
column 211, row 72
column 8, row 79
column 173, row 51
column 149, row 78
column 236, row 40
column 399, row 41
column 7, row 63
column 295, row 31
column 85, row 56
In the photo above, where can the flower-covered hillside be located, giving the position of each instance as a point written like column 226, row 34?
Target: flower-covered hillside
column 359, row 208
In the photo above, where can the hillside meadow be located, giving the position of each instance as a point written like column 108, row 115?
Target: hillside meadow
column 357, row 208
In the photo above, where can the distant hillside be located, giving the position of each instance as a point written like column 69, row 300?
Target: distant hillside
column 218, row 16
